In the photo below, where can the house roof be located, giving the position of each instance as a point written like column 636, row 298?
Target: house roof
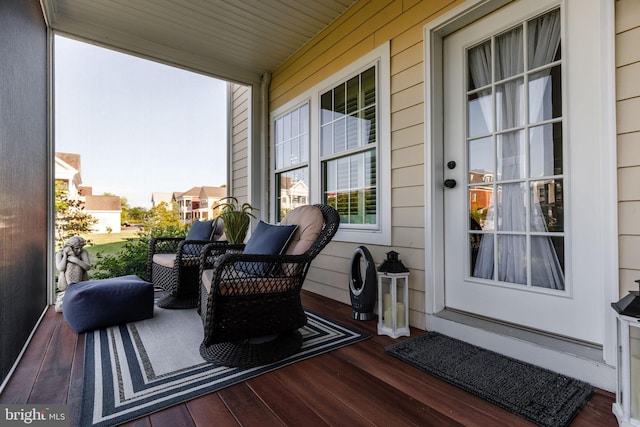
column 71, row 159
column 192, row 192
column 157, row 197
column 85, row 190
column 214, row 192
column 102, row 203
column 236, row 41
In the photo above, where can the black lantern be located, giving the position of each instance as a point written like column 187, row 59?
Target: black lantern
column 629, row 305
column 393, row 297
column 392, row 264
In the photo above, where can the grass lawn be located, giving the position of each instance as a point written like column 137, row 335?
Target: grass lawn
column 108, row 243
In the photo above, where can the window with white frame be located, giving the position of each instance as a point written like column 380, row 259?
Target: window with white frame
column 331, row 145
column 348, row 146
column 291, row 135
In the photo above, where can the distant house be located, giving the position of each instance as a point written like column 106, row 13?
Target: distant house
column 67, row 172
column 209, row 199
column 293, row 193
column 198, row 203
column 188, row 204
column 157, row 198
column 106, row 209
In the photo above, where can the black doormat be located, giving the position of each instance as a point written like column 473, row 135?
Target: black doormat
column 537, row 394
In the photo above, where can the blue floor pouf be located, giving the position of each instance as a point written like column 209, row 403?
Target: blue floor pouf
column 94, row 304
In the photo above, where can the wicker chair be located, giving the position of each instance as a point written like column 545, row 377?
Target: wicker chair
column 251, row 318
column 174, row 265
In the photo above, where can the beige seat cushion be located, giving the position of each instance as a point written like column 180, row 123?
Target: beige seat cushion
column 165, row 260
column 309, row 220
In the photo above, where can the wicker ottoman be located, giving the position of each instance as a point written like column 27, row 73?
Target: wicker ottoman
column 94, row 304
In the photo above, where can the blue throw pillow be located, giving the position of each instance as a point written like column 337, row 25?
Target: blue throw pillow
column 200, row 230
column 266, row 239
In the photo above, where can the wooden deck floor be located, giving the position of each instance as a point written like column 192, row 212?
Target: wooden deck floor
column 358, row 385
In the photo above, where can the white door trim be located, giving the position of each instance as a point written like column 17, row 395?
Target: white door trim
column 434, row 33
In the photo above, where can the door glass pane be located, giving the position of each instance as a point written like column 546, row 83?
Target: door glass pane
column 547, row 212
column 512, row 259
column 479, row 109
column 482, row 261
column 545, row 150
column 480, row 204
column 479, row 62
column 480, row 200
column 511, row 209
column 547, row 262
column 509, row 54
column 474, row 247
column 511, row 156
column 510, row 104
column 481, row 160
column 544, row 39
column 545, row 98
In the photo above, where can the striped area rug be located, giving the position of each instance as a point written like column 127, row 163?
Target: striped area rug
column 136, row 369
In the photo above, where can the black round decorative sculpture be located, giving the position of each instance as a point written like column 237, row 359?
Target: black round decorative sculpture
column 363, row 293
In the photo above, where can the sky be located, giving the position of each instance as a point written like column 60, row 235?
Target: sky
column 139, row 126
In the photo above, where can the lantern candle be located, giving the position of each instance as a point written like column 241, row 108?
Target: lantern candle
column 388, row 322
column 400, row 315
column 387, row 302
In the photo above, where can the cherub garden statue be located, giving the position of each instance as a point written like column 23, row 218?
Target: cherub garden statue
column 72, row 261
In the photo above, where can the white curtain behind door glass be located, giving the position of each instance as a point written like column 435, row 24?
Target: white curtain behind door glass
column 543, row 41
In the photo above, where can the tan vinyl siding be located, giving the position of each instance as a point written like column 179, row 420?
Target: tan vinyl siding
column 628, row 129
column 365, row 26
column 239, row 142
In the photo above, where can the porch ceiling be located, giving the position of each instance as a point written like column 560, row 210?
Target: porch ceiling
column 234, row 40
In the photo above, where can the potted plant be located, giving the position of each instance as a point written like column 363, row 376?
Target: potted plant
column 236, row 219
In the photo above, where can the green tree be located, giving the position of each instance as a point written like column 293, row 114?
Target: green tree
column 71, row 219
column 137, row 214
column 162, row 220
column 125, row 209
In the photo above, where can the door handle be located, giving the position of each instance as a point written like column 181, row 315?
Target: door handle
column 450, row 183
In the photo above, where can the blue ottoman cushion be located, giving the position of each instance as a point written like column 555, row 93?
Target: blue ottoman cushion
column 94, row 304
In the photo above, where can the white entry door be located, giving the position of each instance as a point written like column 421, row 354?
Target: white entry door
column 512, row 212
